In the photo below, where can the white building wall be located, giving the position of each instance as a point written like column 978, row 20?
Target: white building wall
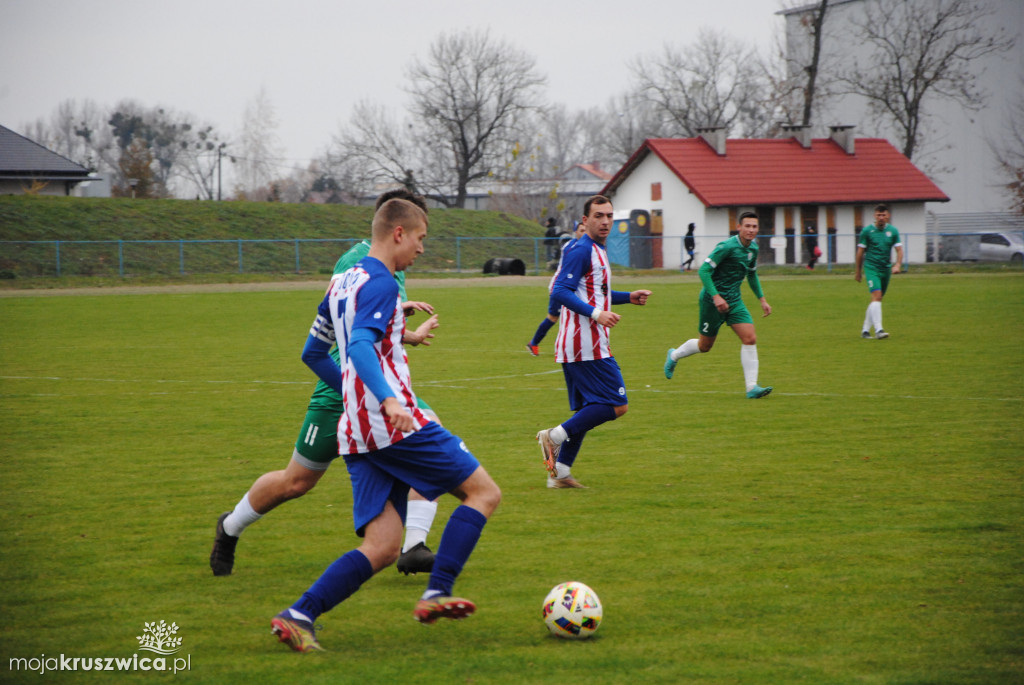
column 678, row 205
column 957, row 151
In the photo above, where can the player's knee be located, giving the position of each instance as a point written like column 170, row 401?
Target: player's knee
column 299, row 485
column 486, row 497
column 490, row 498
column 380, row 555
column 620, row 410
column 705, row 345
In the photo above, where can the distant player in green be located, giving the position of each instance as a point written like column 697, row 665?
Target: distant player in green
column 874, row 260
column 317, row 446
column 720, row 302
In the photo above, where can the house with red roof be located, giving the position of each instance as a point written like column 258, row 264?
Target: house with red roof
column 794, row 184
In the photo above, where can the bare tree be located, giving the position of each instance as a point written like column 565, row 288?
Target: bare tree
column 815, row 24
column 714, row 82
column 258, row 152
column 201, row 161
column 920, row 50
column 373, row 150
column 1009, row 151
column 469, row 97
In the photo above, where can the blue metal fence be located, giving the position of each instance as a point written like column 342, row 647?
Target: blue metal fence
column 42, row 258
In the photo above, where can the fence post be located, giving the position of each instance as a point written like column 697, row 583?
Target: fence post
column 57, row 243
column 240, row 268
column 120, row 258
column 296, row 255
column 181, row 257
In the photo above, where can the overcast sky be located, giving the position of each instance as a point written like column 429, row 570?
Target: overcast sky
column 315, row 58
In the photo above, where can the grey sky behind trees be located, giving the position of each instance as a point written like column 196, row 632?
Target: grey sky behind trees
column 315, row 59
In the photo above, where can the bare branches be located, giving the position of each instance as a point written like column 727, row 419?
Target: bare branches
column 713, row 82
column 920, row 49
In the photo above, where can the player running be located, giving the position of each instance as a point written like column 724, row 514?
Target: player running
column 720, row 302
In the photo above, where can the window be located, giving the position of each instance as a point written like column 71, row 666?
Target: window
column 995, row 239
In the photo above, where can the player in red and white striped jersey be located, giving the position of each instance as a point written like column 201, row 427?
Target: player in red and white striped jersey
column 597, row 392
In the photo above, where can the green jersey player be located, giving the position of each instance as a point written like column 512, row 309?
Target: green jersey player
column 723, row 271
column 317, row 446
column 874, row 255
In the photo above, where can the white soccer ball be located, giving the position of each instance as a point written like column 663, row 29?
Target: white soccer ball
column 572, row 610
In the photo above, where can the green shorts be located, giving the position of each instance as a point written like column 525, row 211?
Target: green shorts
column 317, row 444
column 711, row 319
column 877, row 280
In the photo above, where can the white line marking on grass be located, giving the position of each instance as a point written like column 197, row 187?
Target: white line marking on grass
column 450, row 383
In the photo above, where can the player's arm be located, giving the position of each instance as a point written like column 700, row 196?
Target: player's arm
column 859, row 261
column 422, row 334
column 755, row 285
column 705, row 272
column 626, row 297
column 363, row 355
column 316, row 353
column 899, row 256
column 575, row 264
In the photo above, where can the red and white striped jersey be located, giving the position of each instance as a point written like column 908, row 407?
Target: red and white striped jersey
column 366, row 296
column 580, row 338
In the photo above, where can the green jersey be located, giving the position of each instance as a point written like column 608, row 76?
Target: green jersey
column 878, row 243
column 324, row 396
column 726, row 267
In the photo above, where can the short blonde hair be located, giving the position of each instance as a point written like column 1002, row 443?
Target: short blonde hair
column 396, row 212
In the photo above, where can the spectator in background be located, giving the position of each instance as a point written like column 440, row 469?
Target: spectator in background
column 551, row 238
column 690, row 245
column 811, row 240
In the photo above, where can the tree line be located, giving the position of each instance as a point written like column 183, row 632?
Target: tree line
column 477, row 113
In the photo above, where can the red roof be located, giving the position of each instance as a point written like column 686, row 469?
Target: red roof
column 595, row 170
column 780, row 171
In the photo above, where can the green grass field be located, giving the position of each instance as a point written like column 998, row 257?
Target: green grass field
column 863, row 524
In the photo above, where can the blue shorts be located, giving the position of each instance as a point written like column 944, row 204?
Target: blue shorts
column 431, row 461
column 594, row 382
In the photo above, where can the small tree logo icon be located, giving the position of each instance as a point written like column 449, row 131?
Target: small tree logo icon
column 159, row 638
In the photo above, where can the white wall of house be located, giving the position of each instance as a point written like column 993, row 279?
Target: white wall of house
column 678, row 205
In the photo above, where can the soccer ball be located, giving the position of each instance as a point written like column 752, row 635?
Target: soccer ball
column 572, row 610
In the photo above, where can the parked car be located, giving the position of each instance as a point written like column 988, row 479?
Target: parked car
column 1001, row 247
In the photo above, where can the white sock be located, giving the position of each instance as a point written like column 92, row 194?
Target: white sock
column 299, row 615
column 748, row 358
column 419, row 517
column 240, row 519
column 875, row 314
column 561, row 470
column 558, row 435
column 867, row 319
column 686, row 349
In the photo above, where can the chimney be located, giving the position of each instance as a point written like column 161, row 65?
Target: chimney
column 801, row 132
column 843, row 137
column 714, row 136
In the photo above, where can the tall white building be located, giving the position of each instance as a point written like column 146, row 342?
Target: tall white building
column 957, row 153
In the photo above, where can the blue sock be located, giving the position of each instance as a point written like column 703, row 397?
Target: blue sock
column 569, row 449
column 591, row 416
column 542, row 330
column 334, row 586
column 457, row 542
